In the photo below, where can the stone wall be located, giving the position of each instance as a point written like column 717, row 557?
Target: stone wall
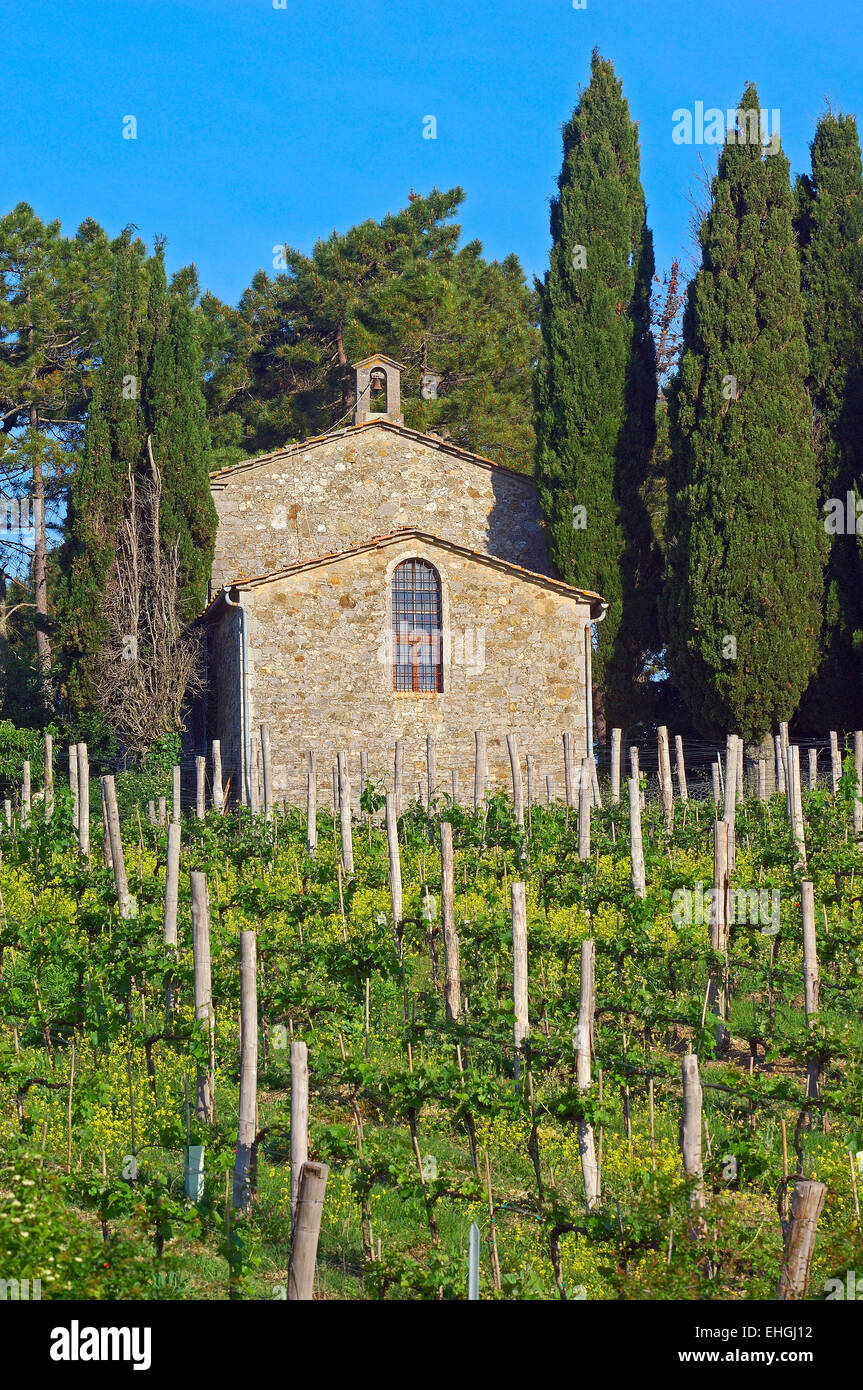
column 321, row 672
column 364, row 482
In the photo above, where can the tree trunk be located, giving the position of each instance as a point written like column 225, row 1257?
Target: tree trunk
column 40, row 575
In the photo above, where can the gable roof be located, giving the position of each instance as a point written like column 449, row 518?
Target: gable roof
column 220, row 478
column 595, row 601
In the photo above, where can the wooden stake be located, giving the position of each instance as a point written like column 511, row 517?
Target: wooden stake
column 616, row 741
column 345, row 816
column 299, row 1120
column 452, row 978
column 584, row 1031
column 398, row 776
column 304, row 1242
column 311, row 805
column 515, row 768
column 681, row 768
column 203, row 990
column 585, row 798
column 83, row 801
column 124, row 899
column 799, row 1246
column 665, row 784
column 48, row 777
column 519, row 972
column 200, row 787
column 395, row 867
column 636, row 849
column 690, row 1142
column 810, row 976
column 480, row 773
column 218, row 786
column 248, row 1103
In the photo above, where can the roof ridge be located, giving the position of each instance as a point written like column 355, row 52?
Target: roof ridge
column 387, row 538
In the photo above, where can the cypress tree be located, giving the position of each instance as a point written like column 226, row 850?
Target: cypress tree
column 743, row 585
column 596, row 383
column 111, row 453
column 830, row 231
column 175, row 416
column 148, row 383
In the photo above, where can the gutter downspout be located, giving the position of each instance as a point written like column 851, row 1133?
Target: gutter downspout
column 588, row 674
column 244, row 674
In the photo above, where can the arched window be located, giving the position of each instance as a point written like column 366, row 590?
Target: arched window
column 417, row 624
column 378, row 392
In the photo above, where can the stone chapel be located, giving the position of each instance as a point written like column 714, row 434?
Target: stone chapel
column 375, row 584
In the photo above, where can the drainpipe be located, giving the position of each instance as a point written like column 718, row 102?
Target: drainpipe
column 588, row 674
column 244, row 672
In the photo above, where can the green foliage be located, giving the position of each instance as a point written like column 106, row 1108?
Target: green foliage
column 281, row 363
column 830, row 231
column 596, row 383
column 405, row 1124
column 742, row 537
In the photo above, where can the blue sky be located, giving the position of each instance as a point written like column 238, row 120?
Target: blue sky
column 258, row 125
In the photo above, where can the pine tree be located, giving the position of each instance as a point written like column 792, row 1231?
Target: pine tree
column 281, row 363
column 830, row 231
column 52, row 290
column 741, row 603
column 596, row 385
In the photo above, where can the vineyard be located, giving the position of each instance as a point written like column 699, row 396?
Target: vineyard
column 622, row 1037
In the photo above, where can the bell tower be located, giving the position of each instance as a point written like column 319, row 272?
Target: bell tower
column 378, row 390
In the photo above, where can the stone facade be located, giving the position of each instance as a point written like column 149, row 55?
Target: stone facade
column 364, row 481
column 320, row 666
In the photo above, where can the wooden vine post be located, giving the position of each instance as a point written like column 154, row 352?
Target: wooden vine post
column 568, row 779
column 398, row 775
column 345, row 816
column 172, row 889
column 585, row 799
column 636, row 848
column 665, row 783
column 616, row 742
column 584, row 1033
column 480, row 769
column 48, row 778
column 719, row 928
column 690, row 1129
column 452, row 976
column 299, row 1120
column 807, row 1203
column 218, row 788
column 267, row 765
column 311, row 805
column 858, row 772
column 200, row 787
column 811, row 984
column 83, row 801
column 73, row 781
column 395, row 865
column 729, row 814
column 125, row 902
column 681, row 768
column 515, row 769
column 248, row 1104
column 307, row 1227
column 521, row 1029
column 203, row 992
